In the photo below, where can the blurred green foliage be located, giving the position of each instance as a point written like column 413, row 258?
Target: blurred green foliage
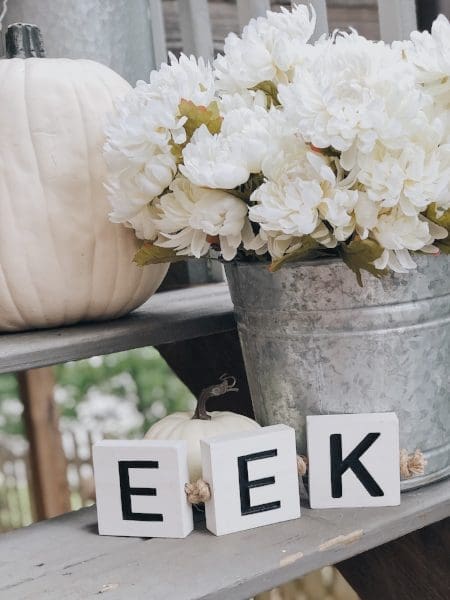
column 138, row 377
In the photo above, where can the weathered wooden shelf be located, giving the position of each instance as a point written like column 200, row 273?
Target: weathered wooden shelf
column 167, row 317
column 67, row 554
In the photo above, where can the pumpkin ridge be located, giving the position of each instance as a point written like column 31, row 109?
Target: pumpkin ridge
column 12, row 303
column 117, row 233
column 5, row 277
column 14, row 213
column 84, row 312
column 26, row 77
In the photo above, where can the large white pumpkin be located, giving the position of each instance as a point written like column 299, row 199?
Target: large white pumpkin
column 61, row 260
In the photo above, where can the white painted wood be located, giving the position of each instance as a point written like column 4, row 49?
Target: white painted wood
column 379, row 462
column 248, row 9
column 66, row 554
column 320, row 7
column 397, row 19
column 195, row 26
column 235, row 466
column 139, row 487
column 158, row 32
column 166, row 317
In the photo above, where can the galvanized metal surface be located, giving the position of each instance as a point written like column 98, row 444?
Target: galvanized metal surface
column 116, row 33
column 314, row 342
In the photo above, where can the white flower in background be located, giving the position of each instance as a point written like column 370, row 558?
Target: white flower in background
column 143, row 222
column 411, row 178
column 398, row 233
column 212, row 161
column 268, row 50
column 289, row 206
column 303, row 195
column 430, row 53
column 193, row 218
column 365, row 214
column 352, row 93
column 140, row 136
column 278, row 244
column 226, row 160
column 244, row 99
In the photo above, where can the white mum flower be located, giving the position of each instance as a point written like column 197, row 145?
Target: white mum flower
column 133, row 183
column 398, row 233
column 291, row 207
column 351, row 93
column 306, row 193
column 192, row 218
column 430, row 53
column 411, row 178
column 278, row 244
column 144, row 222
column 211, row 160
column 226, row 160
column 140, row 136
column 268, row 50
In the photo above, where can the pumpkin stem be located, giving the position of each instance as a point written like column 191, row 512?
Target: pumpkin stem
column 24, row 41
column 227, row 384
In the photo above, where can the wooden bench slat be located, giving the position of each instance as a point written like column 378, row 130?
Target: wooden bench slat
column 167, row 317
column 64, row 557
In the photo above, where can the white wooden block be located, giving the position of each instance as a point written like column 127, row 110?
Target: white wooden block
column 353, row 460
column 140, row 488
column 253, row 479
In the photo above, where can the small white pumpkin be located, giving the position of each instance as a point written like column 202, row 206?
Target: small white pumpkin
column 61, row 259
column 198, row 425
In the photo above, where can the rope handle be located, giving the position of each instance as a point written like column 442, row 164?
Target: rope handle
column 411, row 465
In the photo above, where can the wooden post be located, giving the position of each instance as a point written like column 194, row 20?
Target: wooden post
column 397, row 19
column 49, row 485
column 195, row 28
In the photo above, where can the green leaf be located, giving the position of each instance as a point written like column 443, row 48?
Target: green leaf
column 200, row 115
column 309, row 249
column 271, row 91
column 196, row 116
column 359, row 255
column 149, row 254
column 443, row 221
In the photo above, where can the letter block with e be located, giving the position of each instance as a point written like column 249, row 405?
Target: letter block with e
column 353, row 460
column 140, row 488
column 253, row 479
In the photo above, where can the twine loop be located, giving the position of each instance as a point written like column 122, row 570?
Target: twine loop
column 412, row 465
column 197, row 492
column 302, row 464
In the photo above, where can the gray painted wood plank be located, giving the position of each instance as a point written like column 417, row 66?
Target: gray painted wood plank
column 250, row 9
column 65, row 558
column 397, row 19
column 166, row 317
column 195, row 26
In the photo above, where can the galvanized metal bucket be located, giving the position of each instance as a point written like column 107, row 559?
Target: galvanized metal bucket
column 314, row 342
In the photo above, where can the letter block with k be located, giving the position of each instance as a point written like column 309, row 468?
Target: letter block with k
column 353, row 460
